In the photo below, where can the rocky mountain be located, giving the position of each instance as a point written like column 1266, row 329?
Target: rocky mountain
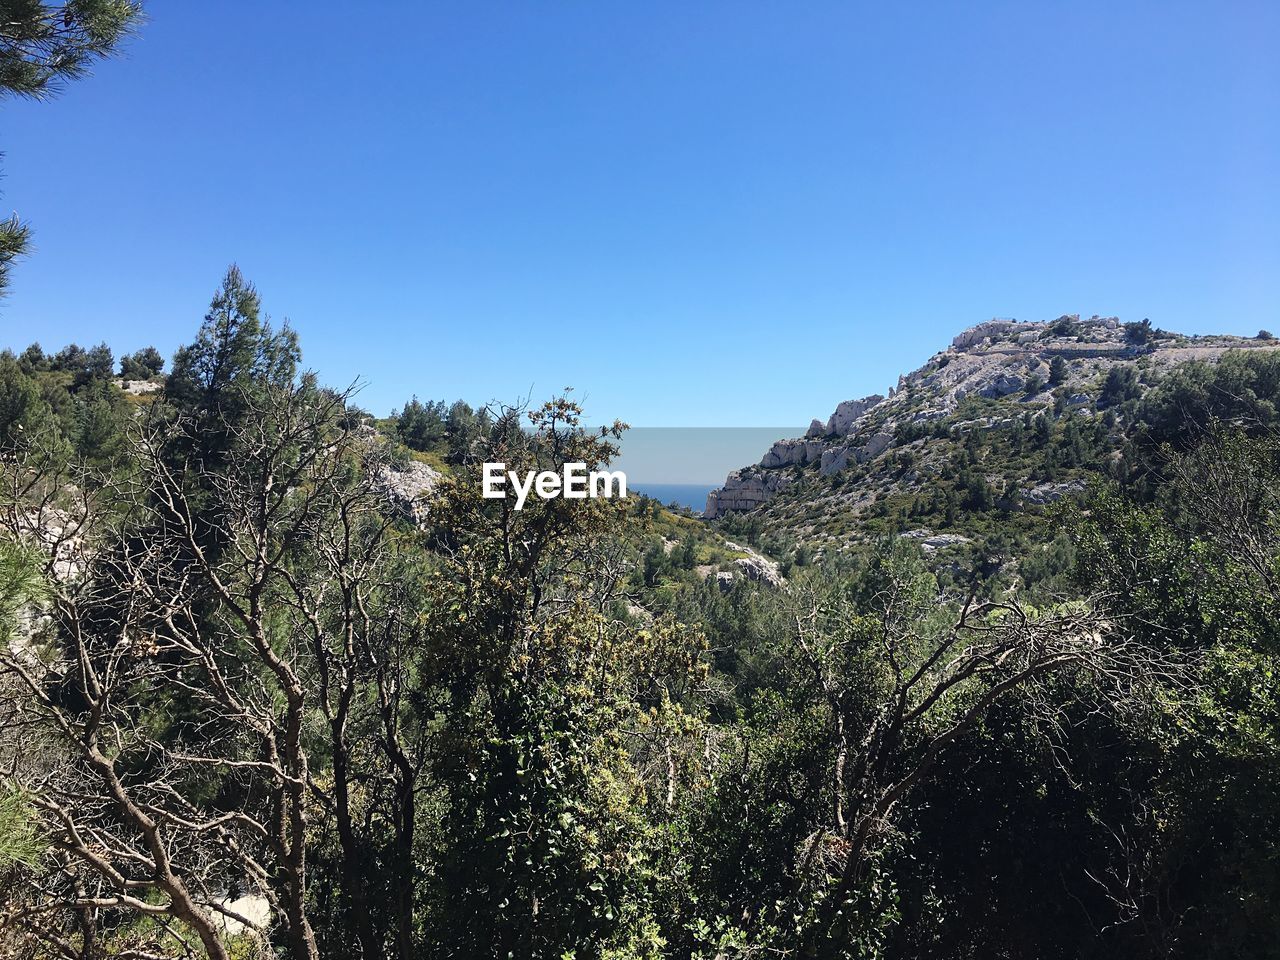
column 1012, row 415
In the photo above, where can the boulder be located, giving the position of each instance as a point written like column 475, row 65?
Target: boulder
column 760, row 570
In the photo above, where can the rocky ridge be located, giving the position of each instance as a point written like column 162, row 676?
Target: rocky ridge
column 1025, row 367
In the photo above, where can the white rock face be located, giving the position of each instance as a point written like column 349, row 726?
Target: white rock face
column 833, row 460
column 744, row 490
column 787, row 453
column 759, row 569
column 408, row 487
column 755, row 567
column 984, row 331
column 1003, row 384
column 846, row 414
column 877, row 445
column 138, row 387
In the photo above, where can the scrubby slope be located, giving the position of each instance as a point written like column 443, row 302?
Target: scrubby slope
column 1009, row 418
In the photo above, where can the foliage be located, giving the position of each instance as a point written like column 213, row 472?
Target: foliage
column 141, row 365
column 41, row 47
column 578, row 729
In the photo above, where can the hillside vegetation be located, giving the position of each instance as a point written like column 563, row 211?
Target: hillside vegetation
column 277, row 681
column 969, row 454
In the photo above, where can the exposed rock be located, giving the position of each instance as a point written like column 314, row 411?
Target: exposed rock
column 931, row 541
column 1001, row 360
column 984, row 331
column 833, row 460
column 408, row 487
column 787, row 453
column 138, row 387
column 847, row 413
column 254, row 908
column 755, row 567
column 940, row 540
column 1002, row 385
column 744, row 490
column 640, row 613
column 1050, row 492
column 877, row 445
column 760, row 570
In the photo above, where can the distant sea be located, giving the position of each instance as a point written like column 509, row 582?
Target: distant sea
column 691, row 495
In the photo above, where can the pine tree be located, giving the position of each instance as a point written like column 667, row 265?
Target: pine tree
column 41, row 47
column 1057, row 372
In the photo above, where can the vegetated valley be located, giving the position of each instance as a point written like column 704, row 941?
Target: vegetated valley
column 982, row 668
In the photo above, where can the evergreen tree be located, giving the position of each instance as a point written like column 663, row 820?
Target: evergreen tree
column 33, row 359
column 420, row 426
column 41, row 47
column 1058, row 371
column 235, row 358
column 24, row 414
column 142, row 365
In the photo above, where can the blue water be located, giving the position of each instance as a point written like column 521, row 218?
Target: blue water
column 691, row 495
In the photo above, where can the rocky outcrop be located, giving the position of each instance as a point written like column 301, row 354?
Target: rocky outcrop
column 749, row 488
column 139, row 387
column 759, row 570
column 408, row 487
column 833, row 460
column 1002, row 384
column 846, row 414
column 876, row 444
column 744, row 490
column 790, row 453
column 985, row 331
column 840, row 423
column 930, row 541
column 846, row 467
column 1051, row 492
column 755, row 567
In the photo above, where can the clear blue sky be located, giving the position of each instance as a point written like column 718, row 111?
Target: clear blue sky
column 731, row 213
